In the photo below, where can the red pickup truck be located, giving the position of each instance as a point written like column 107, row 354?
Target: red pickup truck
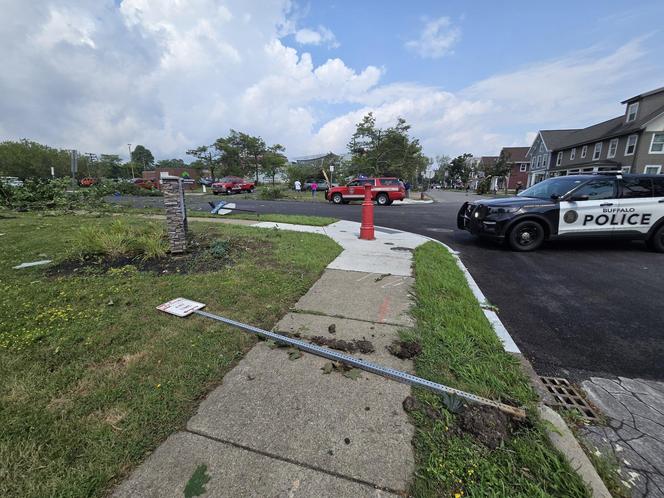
column 232, row 185
column 384, row 191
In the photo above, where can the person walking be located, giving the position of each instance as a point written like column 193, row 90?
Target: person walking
column 407, row 186
column 314, row 188
column 298, row 187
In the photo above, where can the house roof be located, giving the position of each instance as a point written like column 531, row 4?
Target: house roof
column 516, row 154
column 553, row 139
column 611, row 128
column 488, row 160
column 640, row 96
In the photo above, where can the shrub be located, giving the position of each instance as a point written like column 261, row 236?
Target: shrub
column 120, row 239
column 271, row 193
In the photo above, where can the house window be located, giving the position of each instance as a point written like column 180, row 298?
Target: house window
column 632, row 109
column 626, row 169
column 653, row 170
column 584, row 151
column 572, row 154
column 657, row 144
column 538, row 161
column 523, row 167
column 559, row 159
column 598, row 151
column 613, row 148
column 544, row 160
column 631, row 145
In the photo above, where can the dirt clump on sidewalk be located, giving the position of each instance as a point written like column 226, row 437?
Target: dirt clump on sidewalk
column 355, row 346
column 405, row 350
column 411, row 404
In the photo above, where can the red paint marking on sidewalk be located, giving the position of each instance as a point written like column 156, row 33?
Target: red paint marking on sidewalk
column 384, row 308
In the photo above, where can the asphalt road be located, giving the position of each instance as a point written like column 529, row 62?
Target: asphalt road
column 575, row 309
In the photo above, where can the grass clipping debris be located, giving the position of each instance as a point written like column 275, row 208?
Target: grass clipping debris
column 479, row 451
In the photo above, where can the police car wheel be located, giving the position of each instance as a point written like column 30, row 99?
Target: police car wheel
column 382, row 200
column 337, row 199
column 526, row 236
column 656, row 241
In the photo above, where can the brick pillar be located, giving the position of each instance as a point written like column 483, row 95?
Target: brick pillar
column 176, row 213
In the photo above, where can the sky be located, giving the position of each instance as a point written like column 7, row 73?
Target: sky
column 175, row 74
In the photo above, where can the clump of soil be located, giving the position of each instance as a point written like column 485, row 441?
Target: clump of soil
column 332, row 329
column 405, row 349
column 353, row 346
column 411, row 404
column 489, row 425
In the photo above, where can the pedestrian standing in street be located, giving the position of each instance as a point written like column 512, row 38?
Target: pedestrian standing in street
column 314, row 188
column 298, row 187
column 407, row 187
column 519, row 186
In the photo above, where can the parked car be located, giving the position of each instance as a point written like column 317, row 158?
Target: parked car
column 11, row 181
column 437, row 186
column 206, row 181
column 232, row 185
column 321, row 184
column 611, row 206
column 384, row 191
column 88, row 182
column 144, row 183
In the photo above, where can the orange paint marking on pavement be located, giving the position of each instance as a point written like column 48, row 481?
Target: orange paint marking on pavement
column 384, row 308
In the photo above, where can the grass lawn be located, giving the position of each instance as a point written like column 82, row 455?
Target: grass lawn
column 460, row 349
column 92, row 377
column 295, row 219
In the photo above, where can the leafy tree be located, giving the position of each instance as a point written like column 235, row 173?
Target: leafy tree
column 501, row 168
column 28, row 159
column 273, row 161
column 443, row 163
column 110, row 166
column 209, row 155
column 460, row 169
column 143, row 157
column 171, row 163
column 378, row 152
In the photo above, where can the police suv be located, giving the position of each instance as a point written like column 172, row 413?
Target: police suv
column 609, row 205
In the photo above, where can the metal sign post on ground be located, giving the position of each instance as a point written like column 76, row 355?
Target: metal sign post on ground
column 183, row 307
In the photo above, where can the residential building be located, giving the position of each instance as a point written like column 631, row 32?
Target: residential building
column 480, row 167
column 541, row 151
column 632, row 142
column 517, row 158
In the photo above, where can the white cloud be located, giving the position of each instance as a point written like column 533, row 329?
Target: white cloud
column 173, row 75
column 322, row 35
column 437, row 38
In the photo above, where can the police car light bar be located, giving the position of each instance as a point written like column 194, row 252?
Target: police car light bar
column 184, row 307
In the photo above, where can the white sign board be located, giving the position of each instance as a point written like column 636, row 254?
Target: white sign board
column 331, row 168
column 180, row 307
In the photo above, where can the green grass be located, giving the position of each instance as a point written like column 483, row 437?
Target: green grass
column 287, row 194
column 92, row 377
column 295, row 219
column 460, row 349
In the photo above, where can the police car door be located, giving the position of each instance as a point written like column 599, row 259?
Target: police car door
column 583, row 211
column 637, row 210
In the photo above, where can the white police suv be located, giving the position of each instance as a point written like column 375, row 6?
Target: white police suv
column 608, row 205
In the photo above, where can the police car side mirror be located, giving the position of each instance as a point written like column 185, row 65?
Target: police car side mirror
column 555, row 197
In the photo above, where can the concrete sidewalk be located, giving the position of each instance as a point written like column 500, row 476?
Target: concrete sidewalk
column 282, row 426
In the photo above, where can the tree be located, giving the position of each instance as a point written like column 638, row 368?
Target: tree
column 110, row 166
column 500, row 169
column 459, row 168
column 28, row 159
column 443, row 164
column 171, row 163
column 143, row 157
column 208, row 155
column 379, row 152
column 273, row 161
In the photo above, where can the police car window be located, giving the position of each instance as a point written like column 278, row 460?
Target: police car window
column 658, row 184
column 597, row 189
column 637, row 187
column 553, row 186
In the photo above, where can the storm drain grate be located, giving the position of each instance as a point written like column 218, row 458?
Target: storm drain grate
column 567, row 397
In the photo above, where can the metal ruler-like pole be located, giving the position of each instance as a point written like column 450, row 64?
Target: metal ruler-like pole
column 390, row 373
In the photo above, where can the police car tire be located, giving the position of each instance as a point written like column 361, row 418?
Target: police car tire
column 656, row 241
column 536, row 236
column 337, row 198
column 382, row 200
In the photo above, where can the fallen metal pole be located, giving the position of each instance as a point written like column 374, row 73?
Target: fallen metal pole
column 390, row 373
column 232, row 209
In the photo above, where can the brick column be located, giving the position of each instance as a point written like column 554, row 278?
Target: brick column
column 176, row 213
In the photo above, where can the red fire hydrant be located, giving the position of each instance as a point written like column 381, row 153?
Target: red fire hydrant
column 367, row 228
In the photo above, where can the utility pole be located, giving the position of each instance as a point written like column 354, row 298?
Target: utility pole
column 131, row 163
